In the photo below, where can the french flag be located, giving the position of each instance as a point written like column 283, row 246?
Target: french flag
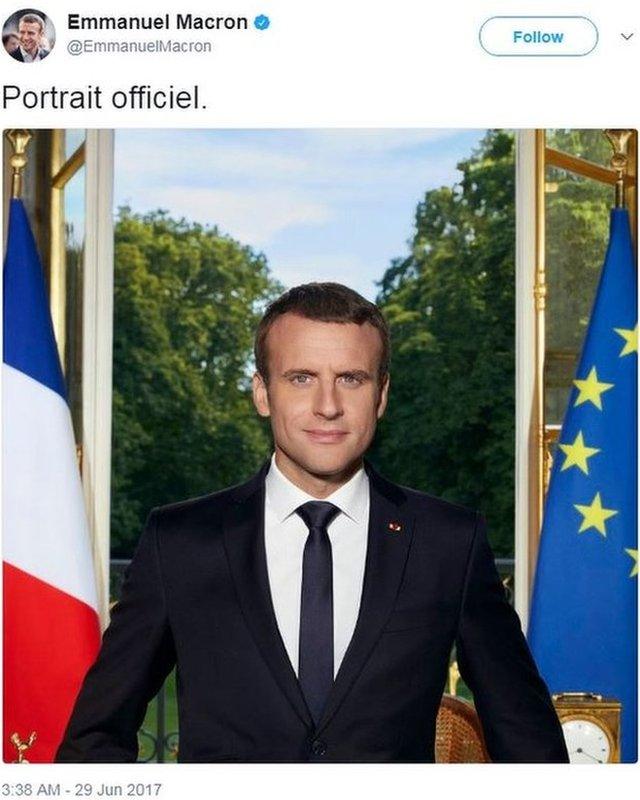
column 51, row 626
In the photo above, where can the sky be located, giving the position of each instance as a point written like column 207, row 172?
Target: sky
column 320, row 204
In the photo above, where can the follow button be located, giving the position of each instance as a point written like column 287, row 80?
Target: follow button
column 538, row 36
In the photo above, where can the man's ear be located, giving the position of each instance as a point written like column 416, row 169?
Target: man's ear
column 260, row 395
column 384, row 394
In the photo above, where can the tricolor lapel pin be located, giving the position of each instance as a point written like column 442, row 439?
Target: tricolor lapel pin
column 394, row 527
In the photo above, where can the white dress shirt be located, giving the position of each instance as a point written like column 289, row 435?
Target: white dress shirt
column 285, row 535
column 28, row 58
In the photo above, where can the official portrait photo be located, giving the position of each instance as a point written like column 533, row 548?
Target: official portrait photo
column 28, row 35
column 319, row 445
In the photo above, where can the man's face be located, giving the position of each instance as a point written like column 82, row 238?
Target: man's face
column 30, row 36
column 323, row 394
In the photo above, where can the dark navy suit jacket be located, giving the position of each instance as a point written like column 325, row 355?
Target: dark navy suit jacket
column 197, row 596
column 17, row 54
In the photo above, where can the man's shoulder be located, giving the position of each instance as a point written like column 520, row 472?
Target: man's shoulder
column 428, row 507
column 209, row 507
column 439, row 505
column 191, row 505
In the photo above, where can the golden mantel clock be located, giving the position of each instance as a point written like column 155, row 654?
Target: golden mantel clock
column 591, row 726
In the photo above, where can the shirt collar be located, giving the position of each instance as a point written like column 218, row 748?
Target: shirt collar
column 284, row 497
column 28, row 57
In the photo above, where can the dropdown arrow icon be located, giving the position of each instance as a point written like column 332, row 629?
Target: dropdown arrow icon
column 626, row 36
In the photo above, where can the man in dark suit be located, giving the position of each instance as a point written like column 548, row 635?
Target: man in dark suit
column 311, row 612
column 30, row 33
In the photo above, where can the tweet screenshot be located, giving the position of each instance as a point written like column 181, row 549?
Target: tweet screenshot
column 319, row 398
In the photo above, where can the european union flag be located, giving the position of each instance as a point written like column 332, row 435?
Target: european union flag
column 583, row 626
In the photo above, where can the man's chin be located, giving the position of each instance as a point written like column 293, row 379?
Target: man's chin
column 329, row 465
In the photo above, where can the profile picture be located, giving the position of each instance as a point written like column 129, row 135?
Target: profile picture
column 28, row 35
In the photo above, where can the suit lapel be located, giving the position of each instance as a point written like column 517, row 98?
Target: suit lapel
column 387, row 550
column 244, row 544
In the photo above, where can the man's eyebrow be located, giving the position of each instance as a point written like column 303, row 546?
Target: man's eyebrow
column 291, row 372
column 362, row 374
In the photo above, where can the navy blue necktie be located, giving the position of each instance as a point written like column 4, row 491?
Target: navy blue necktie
column 315, row 660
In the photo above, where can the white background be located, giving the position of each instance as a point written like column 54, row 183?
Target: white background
column 350, row 63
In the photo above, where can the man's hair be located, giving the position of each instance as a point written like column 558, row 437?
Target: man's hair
column 33, row 18
column 324, row 302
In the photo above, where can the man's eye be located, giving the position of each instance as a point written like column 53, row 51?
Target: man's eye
column 351, row 380
column 300, row 378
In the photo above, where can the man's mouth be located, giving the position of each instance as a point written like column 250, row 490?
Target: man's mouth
column 322, row 436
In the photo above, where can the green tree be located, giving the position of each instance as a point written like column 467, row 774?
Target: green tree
column 187, row 301
column 449, row 428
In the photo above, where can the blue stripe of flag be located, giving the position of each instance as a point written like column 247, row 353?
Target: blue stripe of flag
column 29, row 342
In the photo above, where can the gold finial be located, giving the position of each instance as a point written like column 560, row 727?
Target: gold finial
column 619, row 140
column 22, row 746
column 19, row 139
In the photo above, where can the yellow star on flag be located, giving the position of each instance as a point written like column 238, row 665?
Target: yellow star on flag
column 590, row 389
column 577, row 454
column 630, row 340
column 634, row 556
column 594, row 516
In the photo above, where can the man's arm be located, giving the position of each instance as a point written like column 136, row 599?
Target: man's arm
column 137, row 654
column 518, row 718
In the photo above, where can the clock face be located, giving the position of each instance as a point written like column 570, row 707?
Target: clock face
column 586, row 741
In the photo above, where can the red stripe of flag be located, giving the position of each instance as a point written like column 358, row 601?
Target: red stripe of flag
column 50, row 640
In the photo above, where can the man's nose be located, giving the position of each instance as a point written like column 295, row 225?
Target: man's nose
column 327, row 400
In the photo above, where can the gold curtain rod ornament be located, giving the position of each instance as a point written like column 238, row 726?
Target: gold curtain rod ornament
column 19, row 139
column 619, row 141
